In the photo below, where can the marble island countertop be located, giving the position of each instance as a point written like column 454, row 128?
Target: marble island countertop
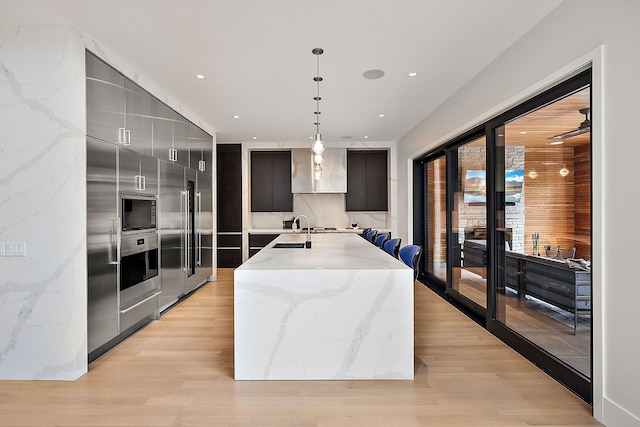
column 328, row 251
column 290, row 231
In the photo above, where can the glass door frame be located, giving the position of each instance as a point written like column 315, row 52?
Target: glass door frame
column 565, row 374
column 453, row 245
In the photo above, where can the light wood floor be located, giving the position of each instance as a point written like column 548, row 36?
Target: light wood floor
column 178, row 371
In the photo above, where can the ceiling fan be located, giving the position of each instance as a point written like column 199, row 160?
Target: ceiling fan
column 584, row 127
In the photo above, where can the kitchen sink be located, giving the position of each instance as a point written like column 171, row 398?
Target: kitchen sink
column 289, row 245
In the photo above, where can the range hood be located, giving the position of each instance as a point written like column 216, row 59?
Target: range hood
column 334, row 171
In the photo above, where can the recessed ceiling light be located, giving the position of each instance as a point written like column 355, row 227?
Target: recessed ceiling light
column 380, row 115
column 255, row 137
column 236, row 117
column 556, row 143
column 523, row 132
column 413, row 74
column 373, row 74
column 200, row 76
column 366, row 137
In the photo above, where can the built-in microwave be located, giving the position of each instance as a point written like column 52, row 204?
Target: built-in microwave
column 138, row 212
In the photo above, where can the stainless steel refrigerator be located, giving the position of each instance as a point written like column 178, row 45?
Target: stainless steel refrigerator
column 185, row 231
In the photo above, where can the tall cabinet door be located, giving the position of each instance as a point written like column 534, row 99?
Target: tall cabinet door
column 102, row 243
column 138, row 117
column 171, row 217
column 105, row 101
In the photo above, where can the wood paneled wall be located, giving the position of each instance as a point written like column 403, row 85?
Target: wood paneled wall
column 558, row 207
column 582, row 201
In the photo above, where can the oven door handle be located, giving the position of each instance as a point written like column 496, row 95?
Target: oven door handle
column 199, row 198
column 140, row 302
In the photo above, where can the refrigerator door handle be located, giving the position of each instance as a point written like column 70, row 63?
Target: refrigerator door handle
column 185, row 229
column 199, row 198
column 114, row 224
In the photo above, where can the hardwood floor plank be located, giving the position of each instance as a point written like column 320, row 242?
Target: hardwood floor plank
column 178, row 371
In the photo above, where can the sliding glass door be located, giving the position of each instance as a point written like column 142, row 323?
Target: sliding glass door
column 543, row 291
column 506, row 219
column 468, row 282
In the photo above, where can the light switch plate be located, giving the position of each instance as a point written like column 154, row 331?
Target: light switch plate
column 15, row 248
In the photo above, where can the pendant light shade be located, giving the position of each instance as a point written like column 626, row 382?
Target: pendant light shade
column 318, row 145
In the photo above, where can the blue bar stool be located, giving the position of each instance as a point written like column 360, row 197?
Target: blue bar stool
column 364, row 232
column 371, row 236
column 382, row 238
column 410, row 255
column 391, row 246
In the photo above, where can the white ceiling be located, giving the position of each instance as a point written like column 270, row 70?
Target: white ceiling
column 256, row 56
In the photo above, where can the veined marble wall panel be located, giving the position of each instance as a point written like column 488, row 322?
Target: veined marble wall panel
column 43, row 296
column 323, row 210
column 42, row 203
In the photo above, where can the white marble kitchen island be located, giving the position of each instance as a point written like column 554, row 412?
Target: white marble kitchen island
column 342, row 309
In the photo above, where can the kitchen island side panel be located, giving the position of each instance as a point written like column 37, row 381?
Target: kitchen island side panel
column 323, row 324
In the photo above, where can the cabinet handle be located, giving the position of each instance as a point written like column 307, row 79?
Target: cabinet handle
column 141, row 183
column 113, row 240
column 199, row 198
column 185, row 200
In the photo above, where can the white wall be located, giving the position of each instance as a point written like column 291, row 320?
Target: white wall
column 577, row 32
column 43, row 295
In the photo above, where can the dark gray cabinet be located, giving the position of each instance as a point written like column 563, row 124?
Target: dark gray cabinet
column 229, row 207
column 271, row 181
column 259, row 241
column 367, row 180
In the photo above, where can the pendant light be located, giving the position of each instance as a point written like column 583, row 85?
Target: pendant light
column 318, row 146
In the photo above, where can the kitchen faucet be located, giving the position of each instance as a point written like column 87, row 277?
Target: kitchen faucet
column 308, row 242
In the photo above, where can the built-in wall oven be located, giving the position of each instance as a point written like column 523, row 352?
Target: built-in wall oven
column 139, row 261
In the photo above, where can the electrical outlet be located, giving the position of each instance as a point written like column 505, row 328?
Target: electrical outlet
column 15, row 248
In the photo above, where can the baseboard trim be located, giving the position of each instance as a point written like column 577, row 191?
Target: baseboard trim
column 614, row 415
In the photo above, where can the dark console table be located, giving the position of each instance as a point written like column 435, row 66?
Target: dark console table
column 546, row 279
